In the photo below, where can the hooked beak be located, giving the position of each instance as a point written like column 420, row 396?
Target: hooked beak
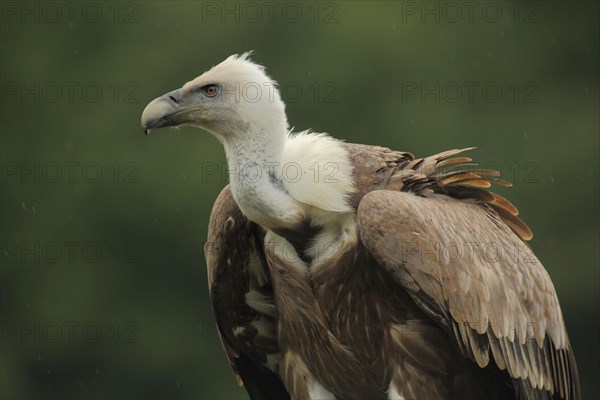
column 164, row 111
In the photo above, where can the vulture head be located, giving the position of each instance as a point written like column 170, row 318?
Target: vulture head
column 240, row 104
column 235, row 97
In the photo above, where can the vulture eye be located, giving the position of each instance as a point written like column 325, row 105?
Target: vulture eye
column 211, row 90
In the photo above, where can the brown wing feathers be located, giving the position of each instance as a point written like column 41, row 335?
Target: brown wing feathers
column 232, row 248
column 543, row 368
column 459, row 177
column 505, row 310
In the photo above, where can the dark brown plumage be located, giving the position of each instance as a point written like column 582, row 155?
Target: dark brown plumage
column 395, row 305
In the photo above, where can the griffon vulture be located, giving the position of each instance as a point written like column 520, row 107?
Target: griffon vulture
column 347, row 271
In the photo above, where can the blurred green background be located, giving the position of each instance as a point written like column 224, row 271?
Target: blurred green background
column 104, row 291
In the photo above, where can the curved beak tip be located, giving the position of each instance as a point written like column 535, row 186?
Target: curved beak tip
column 159, row 111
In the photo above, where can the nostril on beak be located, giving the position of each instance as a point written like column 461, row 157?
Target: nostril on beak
column 174, row 99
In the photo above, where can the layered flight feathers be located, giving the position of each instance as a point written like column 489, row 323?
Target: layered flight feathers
column 477, row 279
column 461, row 178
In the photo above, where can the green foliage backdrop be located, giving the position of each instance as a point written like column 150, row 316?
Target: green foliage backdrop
column 104, row 291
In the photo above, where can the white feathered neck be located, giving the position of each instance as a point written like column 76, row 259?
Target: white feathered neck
column 277, row 178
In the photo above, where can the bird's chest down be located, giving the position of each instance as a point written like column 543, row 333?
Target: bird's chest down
column 336, row 305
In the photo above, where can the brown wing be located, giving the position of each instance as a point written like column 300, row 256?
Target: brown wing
column 460, row 178
column 464, row 266
column 381, row 168
column 241, row 297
